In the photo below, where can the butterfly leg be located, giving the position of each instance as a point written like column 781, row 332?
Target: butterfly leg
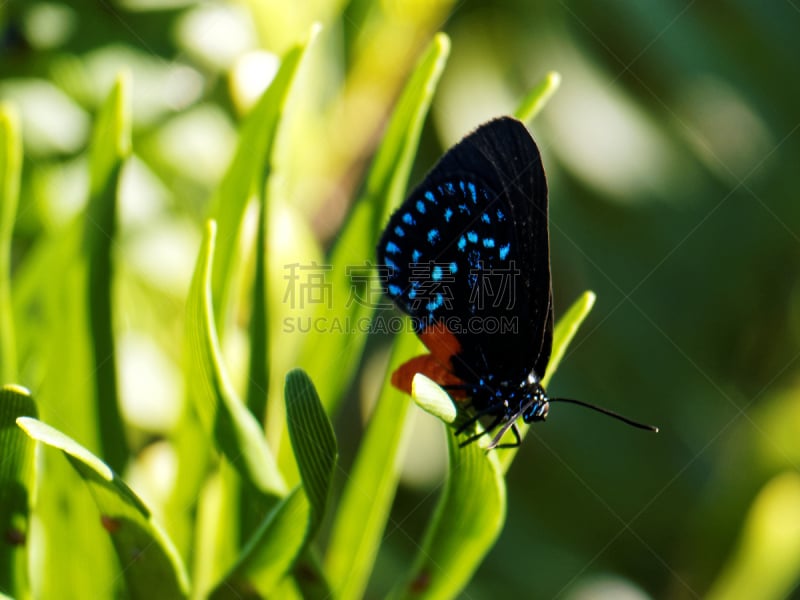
column 516, row 444
column 496, row 440
column 464, row 426
column 478, row 435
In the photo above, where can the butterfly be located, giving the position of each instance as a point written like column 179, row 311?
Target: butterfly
column 467, row 257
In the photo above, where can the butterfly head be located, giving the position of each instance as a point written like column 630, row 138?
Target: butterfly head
column 536, row 404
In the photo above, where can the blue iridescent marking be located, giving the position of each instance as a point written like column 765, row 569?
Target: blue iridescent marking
column 392, row 248
column 436, row 274
column 472, row 192
column 462, row 187
column 453, row 267
column 391, row 264
column 412, row 294
column 421, row 206
column 433, row 236
column 451, row 189
column 394, row 290
column 504, row 250
column 488, row 242
column 430, row 197
column 500, row 215
column 416, row 255
column 486, row 218
column 464, row 208
column 472, row 237
column 398, row 231
column 432, row 306
column 462, row 243
column 448, row 214
column 474, row 259
column 408, row 219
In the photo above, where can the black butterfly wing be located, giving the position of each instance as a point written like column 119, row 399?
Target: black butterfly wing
column 468, row 256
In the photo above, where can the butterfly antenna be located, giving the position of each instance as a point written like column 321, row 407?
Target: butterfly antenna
column 605, row 411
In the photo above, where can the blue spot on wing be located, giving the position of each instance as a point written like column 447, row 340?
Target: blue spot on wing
column 488, row 242
column 436, row 274
column 392, row 248
column 472, row 193
column 398, row 231
column 472, row 237
column 504, row 250
column 430, row 197
column 408, row 219
column 448, row 214
column 394, row 290
column 391, row 264
column 433, row 236
column 416, row 255
column 436, row 303
column 486, row 218
column 453, row 267
column 462, row 243
column 421, row 206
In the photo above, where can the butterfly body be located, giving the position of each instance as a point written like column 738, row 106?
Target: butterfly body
column 468, row 259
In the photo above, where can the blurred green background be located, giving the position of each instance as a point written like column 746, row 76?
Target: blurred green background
column 673, row 154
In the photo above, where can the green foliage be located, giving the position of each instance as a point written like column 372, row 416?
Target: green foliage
column 16, row 489
column 274, row 553
column 150, row 223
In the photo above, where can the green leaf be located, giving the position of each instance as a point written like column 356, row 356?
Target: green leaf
column 10, row 169
column 149, row 563
column 249, row 169
column 226, row 420
column 313, row 442
column 286, row 532
column 16, row 485
column 538, row 97
column 269, row 554
column 367, row 497
column 384, row 190
column 468, row 518
column 766, row 562
column 109, row 148
column 565, row 330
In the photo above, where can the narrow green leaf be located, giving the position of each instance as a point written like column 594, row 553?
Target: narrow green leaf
column 538, row 97
column 16, row 487
column 565, row 329
column 384, row 190
column 367, row 497
column 465, row 525
column 10, row 169
column 249, row 169
column 149, row 563
column 286, row 532
column 269, row 554
column 109, row 148
column 225, row 418
column 313, row 442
